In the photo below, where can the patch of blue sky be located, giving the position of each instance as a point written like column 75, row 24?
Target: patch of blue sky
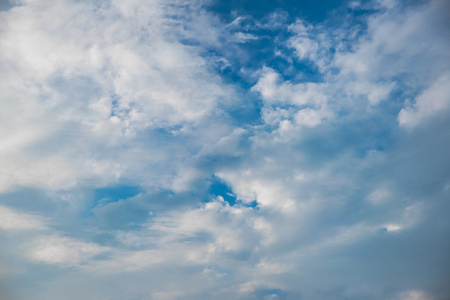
column 313, row 11
column 220, row 189
column 121, row 207
column 247, row 114
column 274, row 293
column 278, row 56
column 115, row 193
column 256, row 41
column 359, row 137
column 31, row 199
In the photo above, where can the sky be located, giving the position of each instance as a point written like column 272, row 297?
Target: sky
column 224, row 149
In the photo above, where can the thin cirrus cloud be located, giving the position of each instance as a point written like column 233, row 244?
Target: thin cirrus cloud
column 199, row 150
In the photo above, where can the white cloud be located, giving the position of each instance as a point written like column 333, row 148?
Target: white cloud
column 56, row 250
column 13, row 220
column 310, row 117
column 214, row 235
column 370, row 66
column 414, row 295
column 432, row 101
column 393, row 227
column 123, row 92
column 378, row 196
column 96, row 82
column 305, row 47
column 274, row 91
column 229, row 227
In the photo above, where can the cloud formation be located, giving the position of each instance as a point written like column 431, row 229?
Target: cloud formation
column 178, row 150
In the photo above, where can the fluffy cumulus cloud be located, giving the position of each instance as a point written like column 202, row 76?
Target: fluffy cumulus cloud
column 224, row 150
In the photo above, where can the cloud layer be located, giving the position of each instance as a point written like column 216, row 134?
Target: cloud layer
column 178, row 150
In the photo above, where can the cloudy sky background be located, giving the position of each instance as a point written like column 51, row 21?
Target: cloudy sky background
column 168, row 149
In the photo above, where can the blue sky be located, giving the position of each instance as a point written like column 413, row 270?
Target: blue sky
column 224, row 150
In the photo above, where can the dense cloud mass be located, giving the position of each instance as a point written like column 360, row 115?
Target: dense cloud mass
column 170, row 149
